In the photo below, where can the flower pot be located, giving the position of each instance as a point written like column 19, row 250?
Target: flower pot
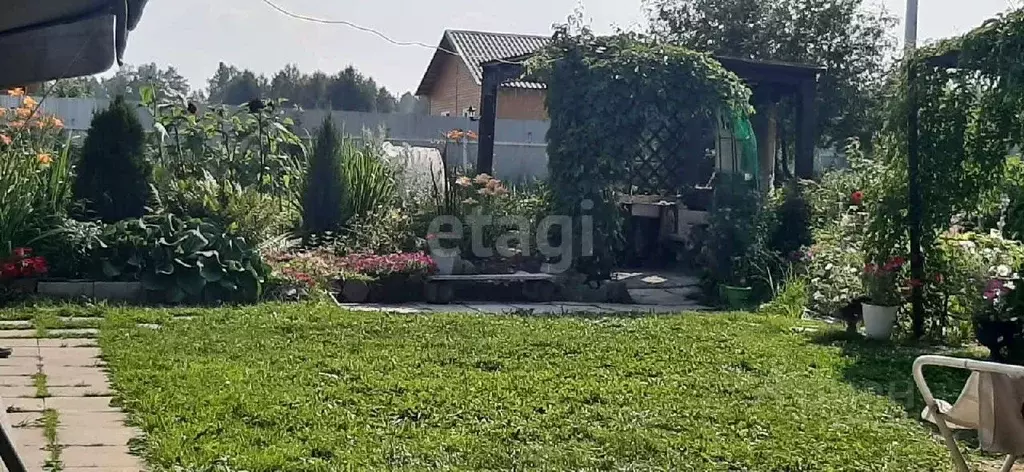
column 446, row 263
column 736, row 298
column 356, row 291
column 24, row 285
column 879, row 321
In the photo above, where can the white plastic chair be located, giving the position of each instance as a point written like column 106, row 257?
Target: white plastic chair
column 941, row 420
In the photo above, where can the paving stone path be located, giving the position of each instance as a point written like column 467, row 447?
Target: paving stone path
column 65, row 380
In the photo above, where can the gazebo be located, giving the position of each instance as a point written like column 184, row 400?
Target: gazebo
column 770, row 81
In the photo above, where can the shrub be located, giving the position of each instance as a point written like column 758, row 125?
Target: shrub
column 181, row 260
column 381, row 231
column 35, row 173
column 324, row 183
column 792, row 230
column 113, row 176
column 70, row 248
column 244, row 212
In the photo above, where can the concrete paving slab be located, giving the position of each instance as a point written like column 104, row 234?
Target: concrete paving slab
column 16, row 405
column 18, row 392
column 11, row 324
column 33, row 437
column 25, row 419
column 28, row 367
column 19, row 344
column 81, row 404
column 80, row 391
column 72, row 333
column 91, row 419
column 65, row 342
column 16, row 380
column 78, row 436
column 100, row 456
column 16, row 333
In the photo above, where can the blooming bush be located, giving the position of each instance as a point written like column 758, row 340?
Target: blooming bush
column 21, row 265
column 391, row 265
column 35, row 173
column 881, row 282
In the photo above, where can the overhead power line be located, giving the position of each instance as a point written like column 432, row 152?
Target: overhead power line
column 367, row 29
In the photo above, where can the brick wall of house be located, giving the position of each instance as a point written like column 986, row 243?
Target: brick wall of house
column 455, row 90
column 521, row 104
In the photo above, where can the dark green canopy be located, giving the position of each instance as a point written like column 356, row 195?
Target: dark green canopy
column 51, row 39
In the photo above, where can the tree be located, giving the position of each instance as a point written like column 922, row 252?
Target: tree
column 408, row 104
column 851, row 40
column 129, row 81
column 77, row 87
column 113, row 175
column 242, row 89
column 351, row 91
column 386, row 102
column 322, row 197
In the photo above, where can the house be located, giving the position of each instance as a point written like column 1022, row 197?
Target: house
column 451, row 84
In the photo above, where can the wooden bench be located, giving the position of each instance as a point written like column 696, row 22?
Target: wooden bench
column 440, row 289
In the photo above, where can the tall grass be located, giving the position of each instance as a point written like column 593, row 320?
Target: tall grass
column 370, row 180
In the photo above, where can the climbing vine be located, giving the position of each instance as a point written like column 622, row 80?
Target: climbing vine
column 969, row 91
column 603, row 95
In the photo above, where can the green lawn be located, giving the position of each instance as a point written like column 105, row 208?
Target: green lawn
column 303, row 387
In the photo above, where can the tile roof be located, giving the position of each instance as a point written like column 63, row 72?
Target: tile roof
column 477, row 47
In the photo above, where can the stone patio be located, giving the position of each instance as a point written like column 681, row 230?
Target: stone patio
column 91, row 434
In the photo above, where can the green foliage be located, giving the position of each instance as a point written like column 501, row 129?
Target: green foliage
column 70, row 249
column 381, row 231
column 255, row 216
column 792, row 231
column 697, row 392
column 851, row 39
column 369, row 180
column 736, row 251
column 35, row 176
column 181, row 260
column 324, row 184
column 791, row 301
column 113, row 175
column 601, row 93
column 251, row 149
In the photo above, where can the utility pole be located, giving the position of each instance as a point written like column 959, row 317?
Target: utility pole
column 914, row 174
column 910, row 40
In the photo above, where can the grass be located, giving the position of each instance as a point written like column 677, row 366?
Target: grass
column 51, row 421
column 39, row 382
column 301, row 388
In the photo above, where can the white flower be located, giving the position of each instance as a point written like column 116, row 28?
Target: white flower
column 1003, row 270
column 1010, row 286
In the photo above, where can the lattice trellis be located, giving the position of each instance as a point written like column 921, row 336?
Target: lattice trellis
column 673, row 154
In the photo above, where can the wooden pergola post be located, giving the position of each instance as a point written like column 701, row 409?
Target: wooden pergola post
column 495, row 73
column 807, row 125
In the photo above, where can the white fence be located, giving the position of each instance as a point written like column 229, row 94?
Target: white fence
column 520, row 150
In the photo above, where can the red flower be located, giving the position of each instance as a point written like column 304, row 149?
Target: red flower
column 9, row 271
column 39, row 266
column 22, row 252
column 857, row 198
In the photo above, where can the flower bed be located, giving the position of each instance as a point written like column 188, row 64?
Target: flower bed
column 390, row 278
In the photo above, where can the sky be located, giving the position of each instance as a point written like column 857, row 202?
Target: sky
column 195, row 35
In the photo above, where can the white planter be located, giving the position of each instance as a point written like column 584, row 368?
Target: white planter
column 879, row 321
column 446, row 262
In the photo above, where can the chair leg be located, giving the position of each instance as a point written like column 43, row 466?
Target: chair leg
column 1008, row 465
column 958, row 458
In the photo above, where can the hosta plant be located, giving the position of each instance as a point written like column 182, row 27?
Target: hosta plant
column 182, row 260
